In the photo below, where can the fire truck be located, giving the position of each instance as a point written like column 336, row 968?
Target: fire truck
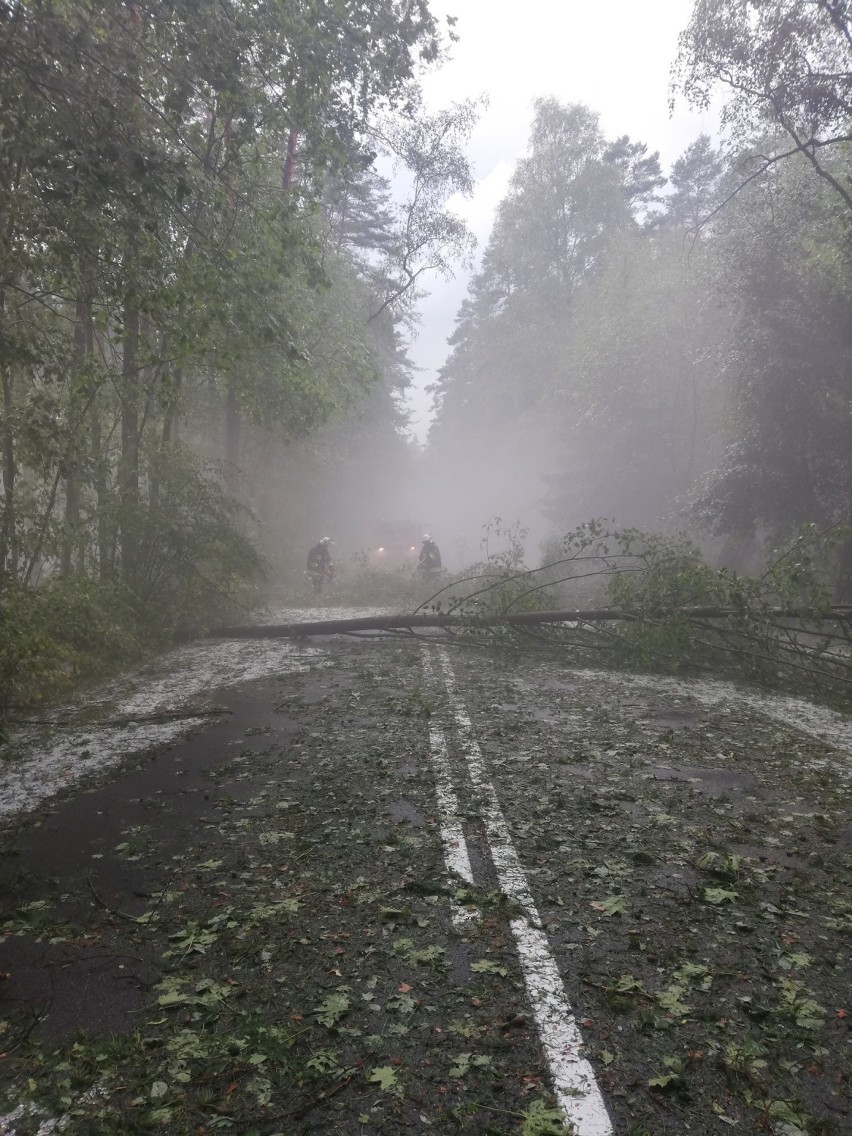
column 396, row 544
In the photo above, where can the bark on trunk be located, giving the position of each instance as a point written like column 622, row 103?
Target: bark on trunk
column 519, row 619
column 8, row 528
column 129, row 476
column 71, row 534
column 99, row 480
column 233, row 429
column 843, row 587
column 170, row 419
column 100, row 477
column 289, row 160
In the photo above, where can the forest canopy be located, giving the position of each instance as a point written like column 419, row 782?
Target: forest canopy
column 216, row 223
column 197, row 252
column 673, row 348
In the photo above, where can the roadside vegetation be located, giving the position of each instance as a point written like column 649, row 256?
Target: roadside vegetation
column 672, row 348
column 650, row 602
column 207, row 289
column 200, row 266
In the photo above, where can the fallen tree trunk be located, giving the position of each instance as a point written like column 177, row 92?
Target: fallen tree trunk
column 511, row 619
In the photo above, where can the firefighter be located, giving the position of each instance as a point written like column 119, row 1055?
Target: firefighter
column 320, row 566
column 429, row 562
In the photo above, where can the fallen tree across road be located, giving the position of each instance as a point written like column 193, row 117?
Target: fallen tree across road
column 658, row 607
column 806, row 650
column 512, row 619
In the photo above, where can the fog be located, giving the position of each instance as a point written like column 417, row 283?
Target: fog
column 645, row 378
column 215, row 318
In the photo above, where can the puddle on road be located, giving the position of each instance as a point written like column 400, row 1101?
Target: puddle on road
column 717, row 782
column 675, row 720
column 404, row 811
column 581, row 771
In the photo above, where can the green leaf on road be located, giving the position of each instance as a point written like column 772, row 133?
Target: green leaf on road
column 384, row 1077
column 333, row 1007
column 719, row 895
column 485, row 966
column 541, row 1120
column 612, row 905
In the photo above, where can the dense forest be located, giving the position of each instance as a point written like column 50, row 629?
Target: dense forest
column 215, row 221
column 673, row 348
column 200, row 265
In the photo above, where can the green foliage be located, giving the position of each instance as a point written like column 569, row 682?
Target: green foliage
column 587, row 346
column 565, row 204
column 493, row 586
column 785, row 63
column 788, row 367
column 645, row 398
column 541, row 1119
column 786, row 280
column 196, row 562
column 643, row 356
column 660, row 572
column 778, row 627
column 162, row 270
column 673, row 612
column 196, row 565
column 54, row 635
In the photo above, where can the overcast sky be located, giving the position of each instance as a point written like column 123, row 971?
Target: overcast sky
column 613, row 55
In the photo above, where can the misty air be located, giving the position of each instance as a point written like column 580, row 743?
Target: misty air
column 425, row 567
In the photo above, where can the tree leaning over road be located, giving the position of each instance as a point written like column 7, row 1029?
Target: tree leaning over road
column 163, row 248
column 788, row 65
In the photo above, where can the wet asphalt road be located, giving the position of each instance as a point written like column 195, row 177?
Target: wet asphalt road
column 582, row 802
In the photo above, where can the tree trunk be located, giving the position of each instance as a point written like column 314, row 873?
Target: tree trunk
column 233, row 427
column 170, row 418
column 72, row 522
column 129, row 471
column 843, row 585
column 128, row 474
column 289, row 160
column 99, row 481
column 512, row 619
column 99, row 474
column 71, row 535
column 8, row 528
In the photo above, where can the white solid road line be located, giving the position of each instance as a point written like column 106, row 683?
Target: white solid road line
column 456, row 857
column 576, row 1089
